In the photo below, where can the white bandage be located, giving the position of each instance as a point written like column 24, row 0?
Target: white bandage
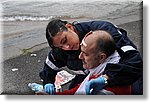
column 83, row 43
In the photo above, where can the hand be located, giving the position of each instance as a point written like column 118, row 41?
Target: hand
column 49, row 88
column 96, row 84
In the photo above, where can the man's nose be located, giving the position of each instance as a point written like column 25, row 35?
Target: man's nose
column 81, row 55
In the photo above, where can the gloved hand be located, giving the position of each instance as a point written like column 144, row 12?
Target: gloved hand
column 49, row 88
column 96, row 84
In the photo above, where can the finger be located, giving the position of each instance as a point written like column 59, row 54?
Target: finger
column 88, row 88
column 48, row 89
column 53, row 90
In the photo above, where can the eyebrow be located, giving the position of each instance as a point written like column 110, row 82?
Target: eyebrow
column 84, row 52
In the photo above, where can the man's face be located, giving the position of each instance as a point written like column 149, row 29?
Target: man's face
column 88, row 56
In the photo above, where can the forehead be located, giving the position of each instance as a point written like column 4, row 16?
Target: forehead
column 90, row 42
column 88, row 49
column 57, row 38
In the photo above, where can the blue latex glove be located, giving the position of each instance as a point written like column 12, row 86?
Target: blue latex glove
column 95, row 84
column 49, row 88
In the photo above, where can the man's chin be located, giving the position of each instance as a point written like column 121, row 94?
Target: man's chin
column 85, row 66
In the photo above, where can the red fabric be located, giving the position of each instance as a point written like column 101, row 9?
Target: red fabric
column 117, row 90
column 94, row 76
column 69, row 92
column 120, row 90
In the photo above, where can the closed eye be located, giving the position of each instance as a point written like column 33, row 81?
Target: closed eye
column 64, row 40
column 84, row 53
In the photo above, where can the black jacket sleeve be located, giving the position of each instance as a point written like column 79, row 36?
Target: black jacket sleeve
column 130, row 66
column 127, row 71
column 54, row 61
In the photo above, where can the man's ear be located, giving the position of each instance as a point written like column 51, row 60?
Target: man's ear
column 69, row 26
column 102, row 57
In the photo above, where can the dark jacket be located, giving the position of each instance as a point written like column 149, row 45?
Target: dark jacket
column 127, row 71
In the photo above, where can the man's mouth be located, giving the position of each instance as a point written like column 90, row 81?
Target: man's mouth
column 83, row 62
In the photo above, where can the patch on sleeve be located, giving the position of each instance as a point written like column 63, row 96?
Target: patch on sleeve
column 50, row 64
column 127, row 48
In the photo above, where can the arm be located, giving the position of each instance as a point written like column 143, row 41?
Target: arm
column 127, row 71
column 54, row 61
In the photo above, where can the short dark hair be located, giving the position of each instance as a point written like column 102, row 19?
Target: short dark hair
column 53, row 28
column 106, row 44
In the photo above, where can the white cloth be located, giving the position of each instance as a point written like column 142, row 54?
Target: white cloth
column 114, row 58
